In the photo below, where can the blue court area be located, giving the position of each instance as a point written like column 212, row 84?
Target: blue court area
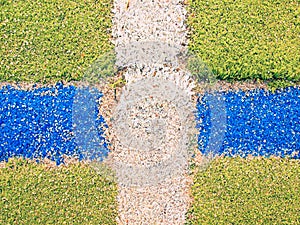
column 51, row 122
column 258, row 123
column 60, row 121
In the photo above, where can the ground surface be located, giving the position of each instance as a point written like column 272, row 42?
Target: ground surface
column 41, row 43
column 247, row 39
column 247, row 191
column 230, row 190
column 34, row 193
column 50, row 41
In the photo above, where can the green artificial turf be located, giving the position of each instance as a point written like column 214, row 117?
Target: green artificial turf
column 31, row 193
column 229, row 191
column 247, row 39
column 49, row 41
column 247, row 191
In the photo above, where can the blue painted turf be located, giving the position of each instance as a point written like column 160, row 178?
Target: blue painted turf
column 257, row 122
column 40, row 123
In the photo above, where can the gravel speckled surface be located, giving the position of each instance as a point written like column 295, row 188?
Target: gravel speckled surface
column 144, row 199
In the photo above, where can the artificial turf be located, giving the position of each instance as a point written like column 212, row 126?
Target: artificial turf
column 229, row 191
column 247, row 39
column 247, row 191
column 50, row 41
column 32, row 193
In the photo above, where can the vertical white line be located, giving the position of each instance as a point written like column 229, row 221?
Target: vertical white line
column 152, row 21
